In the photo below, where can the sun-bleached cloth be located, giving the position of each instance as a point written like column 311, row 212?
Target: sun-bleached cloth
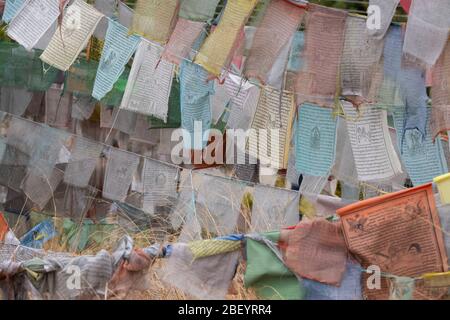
column 47, row 144
column 440, row 94
column 58, row 106
column 316, row 250
column 117, row 51
column 120, row 119
column 387, row 11
column 82, row 107
column 427, row 30
column 422, row 158
column 271, row 128
column 195, row 104
column 11, row 9
column 14, row 100
column 276, row 75
column 360, row 57
column 160, row 185
column 372, row 148
column 344, row 168
column 239, row 97
column 119, row 173
column 274, row 208
column 324, row 42
column 281, row 19
column 125, row 14
column 219, row 204
column 107, row 8
column 40, row 188
column 32, row 21
column 409, row 78
column 155, row 20
column 181, row 41
column 83, row 159
column 78, row 25
column 350, row 288
column 315, row 144
column 216, row 52
column 204, row 278
column 149, row 83
column 198, row 10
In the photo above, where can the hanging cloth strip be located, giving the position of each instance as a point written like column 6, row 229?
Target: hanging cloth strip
column 315, row 144
column 216, row 53
column 155, row 19
column 440, row 94
column 422, row 158
column 272, row 124
column 195, row 104
column 198, row 10
column 149, row 84
column 374, row 153
column 32, row 21
column 280, row 21
column 78, row 25
column 12, row 7
column 83, row 160
column 117, row 51
column 409, row 79
column 427, row 30
column 181, row 41
column 120, row 168
column 324, row 42
column 360, row 58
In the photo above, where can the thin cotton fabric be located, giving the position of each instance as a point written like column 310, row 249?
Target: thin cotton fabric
column 409, row 78
column 117, row 51
column 317, row 251
column 155, row 20
column 11, row 9
column 198, row 10
column 107, row 8
column 427, row 30
column 440, row 93
column 181, row 41
column 267, row 274
column 324, row 39
column 360, row 57
column 422, row 158
column 195, row 91
column 219, row 204
column 83, row 160
column 40, row 188
column 216, row 53
column 240, row 98
column 274, row 208
column 32, row 21
column 199, row 277
column 271, row 128
column 78, row 25
column 281, row 19
column 160, row 185
column 120, row 168
column 350, row 288
column 372, row 148
column 315, row 145
column 149, row 84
